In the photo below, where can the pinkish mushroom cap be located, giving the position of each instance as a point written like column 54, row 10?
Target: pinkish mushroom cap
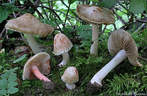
column 70, row 75
column 61, row 44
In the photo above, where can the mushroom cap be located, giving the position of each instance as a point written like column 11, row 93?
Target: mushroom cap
column 70, row 75
column 122, row 40
column 28, row 24
column 94, row 14
column 41, row 60
column 61, row 44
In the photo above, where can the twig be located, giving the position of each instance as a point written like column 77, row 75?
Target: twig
column 119, row 17
column 58, row 25
column 70, row 10
column 125, row 8
column 140, row 27
column 52, row 10
column 1, row 34
column 56, row 15
column 114, row 26
column 143, row 21
column 6, row 34
column 44, row 12
column 104, row 29
column 66, row 15
column 145, row 59
column 40, row 15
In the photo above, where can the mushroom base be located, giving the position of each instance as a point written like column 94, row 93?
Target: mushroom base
column 70, row 86
column 92, row 88
column 48, row 85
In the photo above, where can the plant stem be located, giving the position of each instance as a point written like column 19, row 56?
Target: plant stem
column 100, row 75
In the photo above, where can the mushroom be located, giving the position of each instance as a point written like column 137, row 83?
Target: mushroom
column 96, row 16
column 70, row 77
column 61, row 46
column 122, row 44
column 37, row 66
column 29, row 25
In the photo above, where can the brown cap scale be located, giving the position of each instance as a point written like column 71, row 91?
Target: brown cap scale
column 95, row 15
column 122, row 45
column 70, row 77
column 30, row 25
column 61, row 46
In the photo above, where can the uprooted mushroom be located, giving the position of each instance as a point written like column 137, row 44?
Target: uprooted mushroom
column 37, row 66
column 122, row 44
column 30, row 25
column 96, row 16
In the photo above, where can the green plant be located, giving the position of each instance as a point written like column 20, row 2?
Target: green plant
column 123, row 84
column 23, row 57
column 6, row 9
column 8, row 82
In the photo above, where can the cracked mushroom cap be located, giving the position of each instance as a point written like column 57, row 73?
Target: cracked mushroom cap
column 28, row 24
column 61, row 44
column 41, row 60
column 94, row 14
column 70, row 75
column 122, row 40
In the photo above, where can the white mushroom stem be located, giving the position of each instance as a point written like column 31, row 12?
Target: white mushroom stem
column 65, row 59
column 100, row 75
column 38, row 74
column 36, row 48
column 94, row 46
column 70, row 86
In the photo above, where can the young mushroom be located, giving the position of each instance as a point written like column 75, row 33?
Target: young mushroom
column 122, row 44
column 70, row 77
column 61, row 46
column 30, row 25
column 96, row 16
column 37, row 66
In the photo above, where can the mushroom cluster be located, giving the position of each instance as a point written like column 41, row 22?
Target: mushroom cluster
column 120, row 44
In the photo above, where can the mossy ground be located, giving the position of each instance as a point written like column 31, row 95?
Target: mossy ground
column 125, row 78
